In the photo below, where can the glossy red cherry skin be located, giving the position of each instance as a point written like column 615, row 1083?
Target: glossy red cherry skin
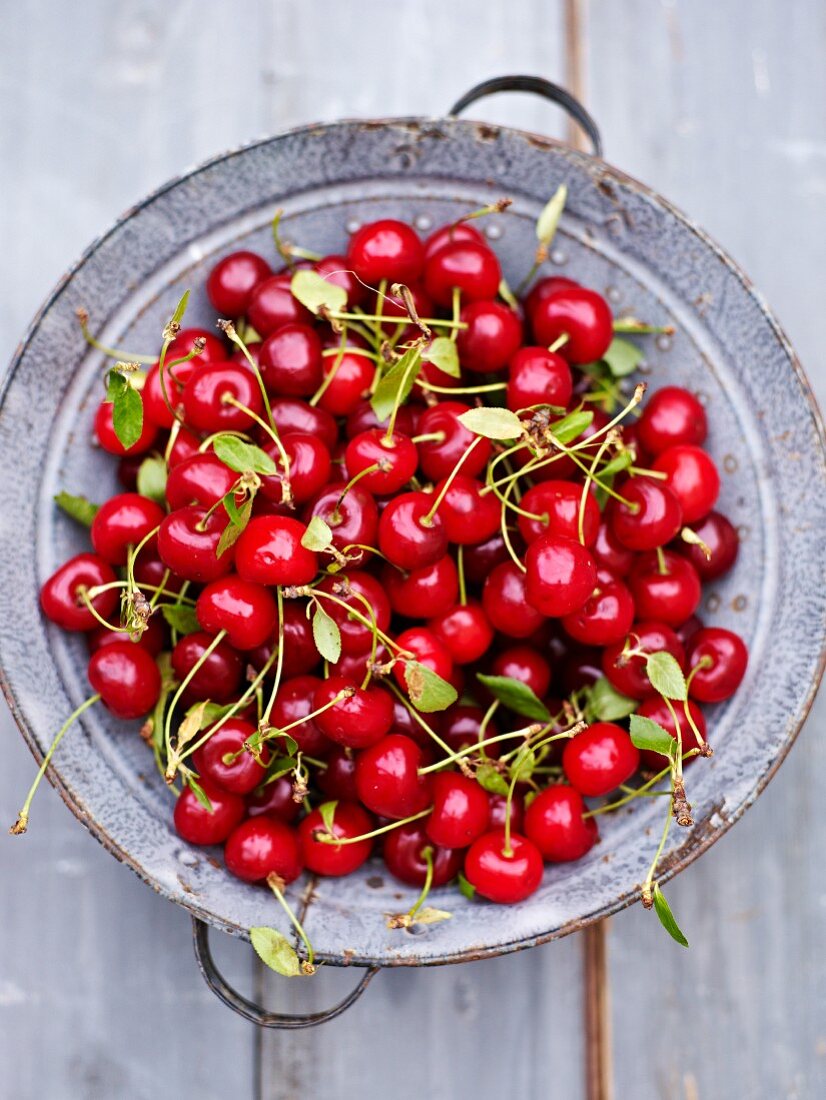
column 263, row 846
column 538, row 377
column 461, row 810
column 468, row 266
column 597, row 760
column 609, row 553
column 202, row 479
column 353, row 521
column 542, row 289
column 721, row 538
column 174, row 380
column 427, row 649
column 205, row 394
column 627, row 673
column 197, row 824
column 408, row 536
column 60, row 594
column 464, row 631
column 325, row 858
column 190, row 552
column 274, row 799
column 300, row 653
column 605, row 617
column 122, row 522
column 271, row 305
column 439, row 458
column 504, row 598
column 470, row 515
column 386, row 249
column 269, row 552
column 729, row 657
column 309, row 467
column 356, row 722
column 150, row 572
column 218, row 678
column 692, row 477
column 403, row 856
column 501, row 876
column 481, row 559
column 247, row 611
column 213, row 350
column 338, row 778
column 244, row 773
column 652, row 517
column 672, row 417
column 492, row 336
column 336, row 271
column 363, row 593
column 422, row 593
column 396, row 458
column 153, row 638
column 559, row 504
column 290, row 361
column 560, row 576
column 232, row 281
column 362, row 418
column 671, row 596
column 126, row 678
column 501, row 811
column 524, row 663
column 106, row 437
column 352, row 379
column 388, row 780
column 292, row 415
column 185, row 446
column 460, row 726
column 449, row 234
column 658, row 711
column 580, row 314
column 555, row 824
column 295, row 700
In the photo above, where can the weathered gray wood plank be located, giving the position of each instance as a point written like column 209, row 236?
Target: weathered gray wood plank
column 721, row 108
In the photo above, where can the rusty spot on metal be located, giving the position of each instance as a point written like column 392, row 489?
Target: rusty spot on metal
column 487, row 132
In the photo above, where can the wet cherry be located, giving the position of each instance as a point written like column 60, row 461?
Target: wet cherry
column 501, row 871
column 262, row 846
column 554, row 822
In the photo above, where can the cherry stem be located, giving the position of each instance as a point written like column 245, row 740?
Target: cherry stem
column 460, row 569
column 436, row 322
column 358, row 617
column 414, row 714
column 454, row 757
column 275, row 884
column 457, row 309
column 559, row 342
column 630, row 797
column 95, row 591
column 272, row 432
column 429, row 437
column 662, row 568
column 110, row 353
column 261, row 736
column 489, row 388
column 228, row 329
column 415, row 363
column 427, row 520
column 172, row 759
column 335, row 516
column 678, row 764
column 649, row 878
column 22, row 822
column 328, row 378
column 265, row 717
column 503, row 523
column 329, row 838
column 586, row 487
column 507, row 850
column 87, row 600
column 427, row 856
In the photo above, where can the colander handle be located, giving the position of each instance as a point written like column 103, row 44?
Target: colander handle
column 248, row 1009
column 539, row 86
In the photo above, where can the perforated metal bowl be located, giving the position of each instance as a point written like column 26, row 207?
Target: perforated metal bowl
column 617, row 236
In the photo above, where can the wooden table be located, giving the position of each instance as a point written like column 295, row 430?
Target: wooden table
column 720, row 106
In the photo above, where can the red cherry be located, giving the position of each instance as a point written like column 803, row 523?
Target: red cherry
column 652, row 517
column 658, row 711
column 403, row 856
column 185, row 446
column 60, row 596
column 271, row 305
column 464, row 631
column 461, row 726
column 244, row 773
column 126, row 678
column 363, row 593
column 197, row 824
column 605, row 617
column 538, row 377
column 492, row 336
column 580, row 314
column 461, row 810
column 295, row 700
column 728, row 657
column 354, row 521
column 408, row 536
column 362, row 418
column 627, row 673
column 336, row 271
column 450, row 234
column 396, row 458
column 542, row 289
column 560, row 576
column 559, row 504
column 291, row 415
column 325, row 858
column 524, row 663
column 386, row 249
column 202, row 479
column 501, row 810
column 106, row 437
column 599, row 759
column 246, row 611
column 218, row 677
column 205, row 395
column 274, row 799
column 500, row 874
column 188, row 544
column 122, row 522
column 504, row 598
column 555, row 824
column 352, row 379
column 609, row 553
column 427, row 649
column 310, row 466
column 232, row 281
column 672, row 416
column 424, row 592
column 721, row 539
column 692, row 477
column 685, row 631
column 468, row 266
column 480, row 560
column 300, row 653
column 338, row 777
column 150, row 572
column 669, row 592
column 153, row 638
column 388, row 780
column 290, row 361
column 213, row 349
column 441, row 457
column 470, row 514
column 174, row 380
column 358, row 721
column 262, row 846
column 269, row 551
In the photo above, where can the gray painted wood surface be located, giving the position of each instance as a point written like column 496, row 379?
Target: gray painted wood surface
column 720, row 107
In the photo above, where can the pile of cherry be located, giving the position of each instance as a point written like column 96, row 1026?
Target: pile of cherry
column 391, row 563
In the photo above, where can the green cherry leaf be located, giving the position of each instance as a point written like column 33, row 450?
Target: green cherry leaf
column 572, row 425
column 394, row 388
column 241, row 456
column 663, row 911
column 648, row 734
column 275, row 951
column 212, row 712
column 429, row 915
column 181, row 617
column 666, row 676
column 316, row 293
column 465, row 888
column 79, row 508
column 127, row 409
column 318, row 535
column 239, row 518
column 492, row 423
column 152, row 479
column 328, row 813
column 199, row 793
column 278, row 766
column 442, row 353
column 622, row 357
column 548, row 220
column 326, row 635
column 180, row 309
column 616, row 465
column 168, row 685
column 606, row 704
column 516, row 696
column 489, row 779
column 428, row 692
